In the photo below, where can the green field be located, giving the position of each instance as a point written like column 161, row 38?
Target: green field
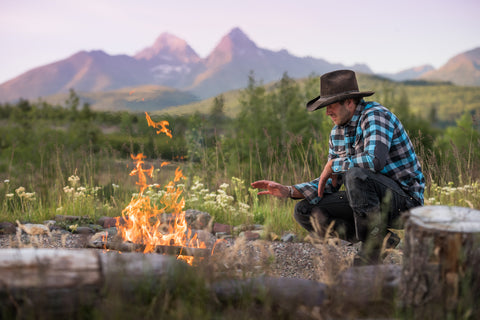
column 223, row 143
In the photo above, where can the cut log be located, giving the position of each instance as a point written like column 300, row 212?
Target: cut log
column 285, row 293
column 46, row 268
column 55, row 283
column 441, row 258
column 365, row 292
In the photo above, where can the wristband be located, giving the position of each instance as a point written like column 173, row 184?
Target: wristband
column 290, row 191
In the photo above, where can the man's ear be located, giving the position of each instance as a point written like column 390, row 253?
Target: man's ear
column 351, row 104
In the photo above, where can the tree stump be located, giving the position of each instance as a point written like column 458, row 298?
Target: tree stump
column 440, row 275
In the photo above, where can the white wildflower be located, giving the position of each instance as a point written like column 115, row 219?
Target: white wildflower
column 30, row 196
column 68, row 189
column 73, row 180
column 20, row 191
column 224, row 186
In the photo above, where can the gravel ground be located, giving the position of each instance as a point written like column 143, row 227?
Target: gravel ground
column 313, row 260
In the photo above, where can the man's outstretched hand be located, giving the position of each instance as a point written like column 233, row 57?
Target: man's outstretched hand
column 273, row 188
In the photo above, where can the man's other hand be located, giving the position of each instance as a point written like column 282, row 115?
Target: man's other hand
column 326, row 174
column 273, row 188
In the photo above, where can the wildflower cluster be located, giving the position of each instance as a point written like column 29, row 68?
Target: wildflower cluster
column 79, row 192
column 20, row 200
column 83, row 199
column 154, row 192
column 220, row 202
column 467, row 195
column 20, row 191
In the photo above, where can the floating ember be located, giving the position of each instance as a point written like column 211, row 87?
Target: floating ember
column 142, row 222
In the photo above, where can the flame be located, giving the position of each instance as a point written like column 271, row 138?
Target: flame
column 161, row 126
column 142, row 220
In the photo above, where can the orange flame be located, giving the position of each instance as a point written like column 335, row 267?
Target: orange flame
column 161, row 126
column 142, row 220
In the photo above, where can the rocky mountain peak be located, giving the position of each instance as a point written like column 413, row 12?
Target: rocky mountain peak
column 169, row 47
column 236, row 42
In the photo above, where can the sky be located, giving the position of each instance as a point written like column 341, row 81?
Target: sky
column 388, row 36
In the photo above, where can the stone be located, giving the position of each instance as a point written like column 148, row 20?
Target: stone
column 197, row 219
column 34, row 229
column 205, row 237
column 112, row 231
column 84, row 230
column 289, row 237
column 50, row 224
column 7, row 228
column 68, row 218
column 99, row 240
column 219, row 227
column 107, row 222
column 251, row 235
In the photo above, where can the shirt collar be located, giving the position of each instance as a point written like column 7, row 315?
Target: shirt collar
column 356, row 115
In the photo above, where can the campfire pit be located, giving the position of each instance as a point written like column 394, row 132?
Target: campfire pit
column 143, row 227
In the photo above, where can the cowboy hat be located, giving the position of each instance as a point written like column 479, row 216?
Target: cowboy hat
column 336, row 86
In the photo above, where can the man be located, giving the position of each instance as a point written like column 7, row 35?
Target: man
column 372, row 155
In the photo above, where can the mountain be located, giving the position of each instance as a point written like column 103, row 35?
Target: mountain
column 230, row 62
column 171, row 62
column 83, row 71
column 408, row 74
column 462, row 69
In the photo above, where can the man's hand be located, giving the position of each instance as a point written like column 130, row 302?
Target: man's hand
column 326, row 174
column 274, row 188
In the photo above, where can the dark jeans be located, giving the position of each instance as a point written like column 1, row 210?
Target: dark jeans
column 371, row 203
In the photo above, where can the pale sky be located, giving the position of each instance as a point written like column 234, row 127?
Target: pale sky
column 388, row 36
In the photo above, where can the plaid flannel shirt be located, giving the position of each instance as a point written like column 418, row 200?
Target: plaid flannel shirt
column 374, row 139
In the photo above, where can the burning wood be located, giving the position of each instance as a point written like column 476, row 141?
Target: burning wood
column 167, row 250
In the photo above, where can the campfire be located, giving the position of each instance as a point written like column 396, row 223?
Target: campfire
column 152, row 228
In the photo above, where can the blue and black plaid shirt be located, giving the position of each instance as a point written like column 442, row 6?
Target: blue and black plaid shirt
column 374, row 139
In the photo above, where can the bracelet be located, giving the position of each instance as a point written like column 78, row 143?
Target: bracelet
column 290, row 191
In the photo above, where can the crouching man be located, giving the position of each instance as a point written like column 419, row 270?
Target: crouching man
column 371, row 154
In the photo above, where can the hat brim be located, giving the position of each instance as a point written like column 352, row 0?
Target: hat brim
column 321, row 102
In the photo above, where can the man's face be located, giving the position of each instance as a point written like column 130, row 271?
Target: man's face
column 341, row 113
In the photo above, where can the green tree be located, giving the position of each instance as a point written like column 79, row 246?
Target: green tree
column 217, row 112
column 460, row 147
column 73, row 101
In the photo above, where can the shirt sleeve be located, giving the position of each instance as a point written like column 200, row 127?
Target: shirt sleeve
column 376, row 135
column 310, row 189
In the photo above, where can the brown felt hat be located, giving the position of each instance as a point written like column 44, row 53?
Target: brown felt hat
column 336, row 86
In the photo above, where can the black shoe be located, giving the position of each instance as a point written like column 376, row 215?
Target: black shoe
column 392, row 241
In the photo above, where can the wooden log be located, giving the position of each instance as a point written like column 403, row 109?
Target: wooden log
column 364, row 292
column 56, row 283
column 125, row 246
column 440, row 275
column 47, row 268
column 288, row 293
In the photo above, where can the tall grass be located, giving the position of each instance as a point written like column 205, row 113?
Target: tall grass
column 218, row 183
